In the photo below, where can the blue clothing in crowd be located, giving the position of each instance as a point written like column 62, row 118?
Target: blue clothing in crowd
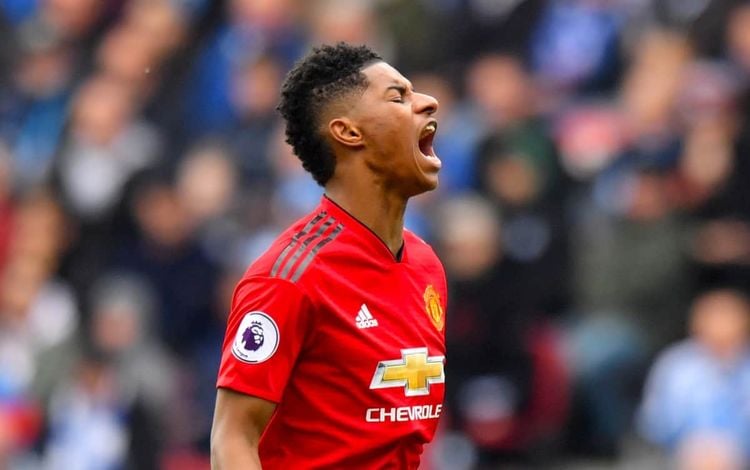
column 691, row 391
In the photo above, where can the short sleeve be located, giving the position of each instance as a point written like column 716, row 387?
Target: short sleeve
column 266, row 330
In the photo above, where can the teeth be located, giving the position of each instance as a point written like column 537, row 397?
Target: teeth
column 429, row 129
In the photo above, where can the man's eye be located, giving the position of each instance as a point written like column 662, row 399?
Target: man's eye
column 397, row 99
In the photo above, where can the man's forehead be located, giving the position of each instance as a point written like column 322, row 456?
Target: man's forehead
column 382, row 75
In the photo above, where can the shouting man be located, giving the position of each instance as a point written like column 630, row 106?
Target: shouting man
column 334, row 351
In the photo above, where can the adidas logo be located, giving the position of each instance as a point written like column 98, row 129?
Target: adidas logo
column 365, row 319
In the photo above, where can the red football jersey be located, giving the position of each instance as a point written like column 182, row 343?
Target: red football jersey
column 346, row 339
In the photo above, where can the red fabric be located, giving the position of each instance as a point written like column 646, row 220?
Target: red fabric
column 549, row 403
column 551, row 389
column 23, row 422
column 6, row 230
column 181, row 459
column 321, row 372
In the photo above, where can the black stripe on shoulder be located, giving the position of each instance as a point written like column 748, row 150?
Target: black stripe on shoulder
column 295, row 239
column 301, row 247
column 311, row 255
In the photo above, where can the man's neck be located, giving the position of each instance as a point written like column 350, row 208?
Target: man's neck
column 381, row 212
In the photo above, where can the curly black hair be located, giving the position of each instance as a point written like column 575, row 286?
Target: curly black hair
column 326, row 73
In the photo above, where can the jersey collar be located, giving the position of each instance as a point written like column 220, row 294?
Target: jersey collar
column 363, row 231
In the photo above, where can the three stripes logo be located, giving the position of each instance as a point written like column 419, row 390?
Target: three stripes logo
column 365, row 319
column 299, row 253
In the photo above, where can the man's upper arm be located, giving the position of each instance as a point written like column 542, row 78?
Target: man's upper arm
column 239, row 421
column 266, row 330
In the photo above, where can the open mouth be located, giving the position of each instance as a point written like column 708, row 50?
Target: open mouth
column 426, row 138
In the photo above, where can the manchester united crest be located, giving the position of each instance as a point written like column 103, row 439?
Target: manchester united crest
column 433, row 308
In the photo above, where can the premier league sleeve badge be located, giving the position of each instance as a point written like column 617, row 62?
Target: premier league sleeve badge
column 257, row 338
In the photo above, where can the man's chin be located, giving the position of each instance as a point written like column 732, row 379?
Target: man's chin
column 432, row 183
column 424, row 184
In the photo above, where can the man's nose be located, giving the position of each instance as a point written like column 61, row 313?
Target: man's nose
column 426, row 104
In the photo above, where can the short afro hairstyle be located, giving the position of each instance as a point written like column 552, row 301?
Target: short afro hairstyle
column 326, row 73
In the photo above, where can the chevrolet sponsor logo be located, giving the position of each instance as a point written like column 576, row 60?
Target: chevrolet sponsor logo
column 403, row 413
column 415, row 371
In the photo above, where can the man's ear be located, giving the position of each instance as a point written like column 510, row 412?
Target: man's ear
column 345, row 132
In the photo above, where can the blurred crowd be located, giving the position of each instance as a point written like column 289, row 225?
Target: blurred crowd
column 593, row 217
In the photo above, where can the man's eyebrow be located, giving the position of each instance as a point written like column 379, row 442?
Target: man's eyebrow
column 401, row 88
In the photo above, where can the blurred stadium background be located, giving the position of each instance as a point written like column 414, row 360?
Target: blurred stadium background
column 593, row 217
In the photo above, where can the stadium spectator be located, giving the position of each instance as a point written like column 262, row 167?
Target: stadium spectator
column 166, row 253
column 505, row 357
column 698, row 391
column 106, row 145
column 255, row 84
column 94, row 423
column 41, row 89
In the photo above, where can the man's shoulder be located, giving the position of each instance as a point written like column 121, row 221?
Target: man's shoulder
column 687, row 358
column 412, row 237
column 292, row 253
column 420, row 249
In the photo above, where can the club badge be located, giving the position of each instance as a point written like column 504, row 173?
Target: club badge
column 433, row 308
